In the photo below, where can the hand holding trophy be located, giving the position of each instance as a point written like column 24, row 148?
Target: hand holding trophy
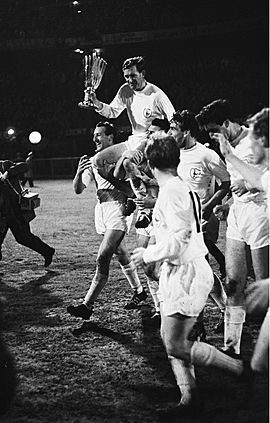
column 94, row 68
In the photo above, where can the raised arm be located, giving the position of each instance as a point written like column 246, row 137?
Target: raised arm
column 250, row 173
column 84, row 164
column 10, row 169
column 112, row 110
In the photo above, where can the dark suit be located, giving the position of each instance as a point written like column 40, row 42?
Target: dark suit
column 11, row 215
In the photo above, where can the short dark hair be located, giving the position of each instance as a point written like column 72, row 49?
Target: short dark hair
column 161, row 123
column 217, row 112
column 137, row 61
column 109, row 128
column 187, row 121
column 162, row 152
column 260, row 123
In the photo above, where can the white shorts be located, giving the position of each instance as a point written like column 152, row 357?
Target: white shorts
column 248, row 222
column 184, row 289
column 109, row 215
column 134, row 141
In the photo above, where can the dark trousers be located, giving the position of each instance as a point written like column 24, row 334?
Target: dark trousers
column 30, row 181
column 23, row 235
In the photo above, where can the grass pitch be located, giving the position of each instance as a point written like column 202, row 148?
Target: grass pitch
column 113, row 368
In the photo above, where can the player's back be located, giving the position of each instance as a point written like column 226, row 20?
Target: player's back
column 176, row 217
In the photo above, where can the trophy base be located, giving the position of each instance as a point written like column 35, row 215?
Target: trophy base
column 86, row 105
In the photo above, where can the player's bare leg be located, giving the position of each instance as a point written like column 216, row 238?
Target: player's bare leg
column 110, row 242
column 236, row 270
column 151, row 271
column 130, row 272
column 183, row 354
column 260, row 262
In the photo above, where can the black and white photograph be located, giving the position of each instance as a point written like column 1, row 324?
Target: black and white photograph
column 134, row 211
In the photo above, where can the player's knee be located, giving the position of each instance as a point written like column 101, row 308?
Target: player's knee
column 178, row 350
column 231, row 286
column 177, row 346
column 121, row 257
column 103, row 261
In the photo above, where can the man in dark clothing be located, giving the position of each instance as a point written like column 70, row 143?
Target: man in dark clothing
column 29, row 175
column 12, row 216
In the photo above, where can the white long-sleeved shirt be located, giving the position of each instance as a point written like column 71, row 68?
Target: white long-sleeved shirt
column 176, row 225
column 142, row 106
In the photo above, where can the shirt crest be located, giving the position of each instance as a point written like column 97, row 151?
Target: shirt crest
column 147, row 113
column 195, row 173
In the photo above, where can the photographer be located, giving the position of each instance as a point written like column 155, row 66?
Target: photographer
column 12, row 216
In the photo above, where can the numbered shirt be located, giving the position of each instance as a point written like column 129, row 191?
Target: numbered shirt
column 200, row 167
column 176, row 221
column 142, row 106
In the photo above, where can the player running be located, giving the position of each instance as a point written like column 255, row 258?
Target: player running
column 111, row 222
column 186, row 277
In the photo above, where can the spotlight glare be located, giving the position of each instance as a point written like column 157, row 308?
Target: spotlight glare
column 10, row 131
column 35, row 137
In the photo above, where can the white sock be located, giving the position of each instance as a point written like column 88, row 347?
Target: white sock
column 206, row 355
column 185, row 378
column 97, row 284
column 234, row 320
column 131, row 274
column 153, row 288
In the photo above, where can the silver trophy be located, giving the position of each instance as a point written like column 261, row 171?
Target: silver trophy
column 94, row 68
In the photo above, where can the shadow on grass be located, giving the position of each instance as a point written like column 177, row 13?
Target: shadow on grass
column 151, row 349
column 25, row 304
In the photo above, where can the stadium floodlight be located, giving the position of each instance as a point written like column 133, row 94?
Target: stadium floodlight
column 10, row 133
column 35, row 137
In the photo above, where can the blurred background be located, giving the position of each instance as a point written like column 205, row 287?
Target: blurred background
column 196, row 51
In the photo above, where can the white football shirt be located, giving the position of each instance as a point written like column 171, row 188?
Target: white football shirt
column 177, row 226
column 142, row 106
column 199, row 167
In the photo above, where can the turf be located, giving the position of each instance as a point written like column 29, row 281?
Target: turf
column 113, row 368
